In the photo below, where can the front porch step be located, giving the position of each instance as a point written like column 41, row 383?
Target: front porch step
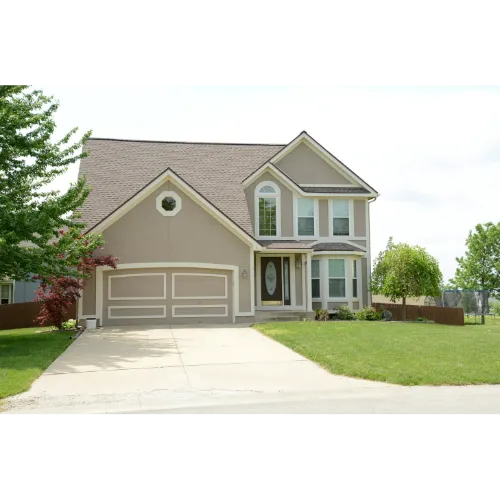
column 267, row 316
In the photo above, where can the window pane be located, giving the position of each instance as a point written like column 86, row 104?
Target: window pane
column 267, row 216
column 354, row 287
column 267, row 189
column 315, row 289
column 340, row 208
column 305, row 207
column 306, row 226
column 315, row 268
column 354, row 269
column 336, row 288
column 336, row 268
column 4, row 291
column 341, row 227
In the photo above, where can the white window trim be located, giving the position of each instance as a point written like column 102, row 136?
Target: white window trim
column 168, row 194
column 296, row 219
column 10, row 284
column 276, row 195
column 351, row 219
column 346, row 273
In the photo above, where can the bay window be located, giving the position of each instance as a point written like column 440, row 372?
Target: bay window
column 336, row 278
column 355, row 279
column 340, row 217
column 315, row 279
column 306, row 217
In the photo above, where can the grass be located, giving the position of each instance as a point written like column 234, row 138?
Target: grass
column 24, row 355
column 398, row 353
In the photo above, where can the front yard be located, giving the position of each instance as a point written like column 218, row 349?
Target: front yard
column 25, row 354
column 398, row 353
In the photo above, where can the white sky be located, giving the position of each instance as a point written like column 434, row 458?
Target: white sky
column 432, row 152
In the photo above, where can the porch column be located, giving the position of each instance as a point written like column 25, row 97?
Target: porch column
column 308, row 298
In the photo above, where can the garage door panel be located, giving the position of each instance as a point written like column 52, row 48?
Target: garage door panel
column 137, row 312
column 199, row 311
column 199, row 286
column 167, row 296
column 138, row 286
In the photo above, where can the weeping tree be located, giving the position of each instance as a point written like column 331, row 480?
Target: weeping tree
column 402, row 271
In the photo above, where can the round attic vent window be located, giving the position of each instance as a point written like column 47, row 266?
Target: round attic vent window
column 168, row 203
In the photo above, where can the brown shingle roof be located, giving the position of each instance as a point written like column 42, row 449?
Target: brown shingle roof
column 321, row 189
column 285, row 244
column 335, row 247
column 118, row 169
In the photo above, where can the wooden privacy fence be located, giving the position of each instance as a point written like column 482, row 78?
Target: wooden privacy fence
column 442, row 315
column 23, row 315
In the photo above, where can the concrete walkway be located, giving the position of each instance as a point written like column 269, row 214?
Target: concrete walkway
column 137, row 368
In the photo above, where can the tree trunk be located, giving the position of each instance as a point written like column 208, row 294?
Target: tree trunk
column 403, row 310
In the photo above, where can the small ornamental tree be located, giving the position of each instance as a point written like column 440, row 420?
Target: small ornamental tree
column 402, row 271
column 57, row 293
column 479, row 269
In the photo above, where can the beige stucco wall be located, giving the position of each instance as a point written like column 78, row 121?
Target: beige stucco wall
column 88, row 298
column 324, row 226
column 360, row 218
column 286, row 207
column 365, row 284
column 193, row 235
column 304, row 166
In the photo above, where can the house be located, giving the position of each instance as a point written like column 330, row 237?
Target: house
column 224, row 233
column 13, row 292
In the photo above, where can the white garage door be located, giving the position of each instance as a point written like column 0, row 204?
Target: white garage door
column 167, row 296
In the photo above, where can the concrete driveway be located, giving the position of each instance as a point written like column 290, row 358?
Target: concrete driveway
column 147, row 366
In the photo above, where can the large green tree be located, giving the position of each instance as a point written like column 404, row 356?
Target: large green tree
column 402, row 271
column 479, row 269
column 40, row 231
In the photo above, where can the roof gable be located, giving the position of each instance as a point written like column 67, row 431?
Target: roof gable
column 306, row 166
column 299, row 144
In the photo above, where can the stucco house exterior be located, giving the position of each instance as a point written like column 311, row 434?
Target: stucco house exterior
column 224, row 233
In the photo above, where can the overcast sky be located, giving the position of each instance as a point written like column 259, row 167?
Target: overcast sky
column 432, row 152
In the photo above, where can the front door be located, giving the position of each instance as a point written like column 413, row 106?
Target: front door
column 271, row 281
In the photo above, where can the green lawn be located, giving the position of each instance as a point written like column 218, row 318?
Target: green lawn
column 399, row 353
column 25, row 354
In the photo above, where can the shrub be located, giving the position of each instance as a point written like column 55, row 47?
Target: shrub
column 69, row 325
column 369, row 314
column 345, row 314
column 321, row 315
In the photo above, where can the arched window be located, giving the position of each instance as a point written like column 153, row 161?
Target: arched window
column 267, row 209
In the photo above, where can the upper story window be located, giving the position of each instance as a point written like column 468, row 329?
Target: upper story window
column 306, row 217
column 341, row 218
column 267, row 209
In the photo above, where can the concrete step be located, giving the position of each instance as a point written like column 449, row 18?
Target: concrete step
column 265, row 316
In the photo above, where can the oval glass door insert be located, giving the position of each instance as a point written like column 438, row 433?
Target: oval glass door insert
column 271, row 278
